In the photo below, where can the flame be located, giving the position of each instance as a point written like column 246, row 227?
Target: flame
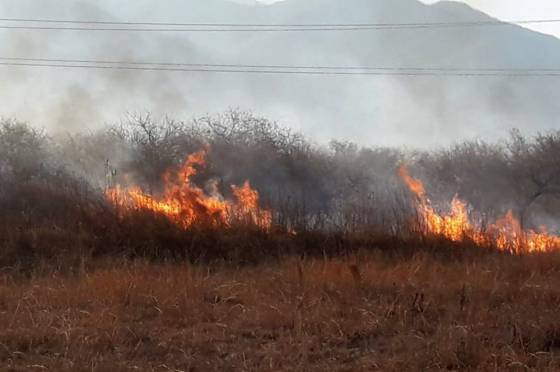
column 414, row 185
column 505, row 234
column 186, row 204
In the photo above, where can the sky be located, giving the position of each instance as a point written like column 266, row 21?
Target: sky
column 514, row 9
column 521, row 9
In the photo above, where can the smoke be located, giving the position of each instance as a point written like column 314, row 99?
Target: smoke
column 414, row 111
column 74, row 99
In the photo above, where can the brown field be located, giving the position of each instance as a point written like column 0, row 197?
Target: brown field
column 369, row 312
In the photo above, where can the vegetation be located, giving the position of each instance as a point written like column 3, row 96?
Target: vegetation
column 371, row 312
column 341, row 280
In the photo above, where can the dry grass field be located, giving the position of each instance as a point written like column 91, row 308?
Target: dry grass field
column 369, row 312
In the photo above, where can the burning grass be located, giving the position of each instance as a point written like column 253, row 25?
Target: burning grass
column 506, row 233
column 69, row 226
column 368, row 312
column 186, row 204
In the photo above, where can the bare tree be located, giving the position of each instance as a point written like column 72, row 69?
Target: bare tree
column 23, row 150
column 154, row 146
column 535, row 167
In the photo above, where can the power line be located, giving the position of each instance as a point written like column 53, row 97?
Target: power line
column 287, row 67
column 287, row 72
column 409, row 24
column 126, row 29
column 232, row 27
column 323, row 29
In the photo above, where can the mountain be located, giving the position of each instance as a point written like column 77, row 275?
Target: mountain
column 386, row 110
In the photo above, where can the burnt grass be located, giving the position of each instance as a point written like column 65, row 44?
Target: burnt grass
column 84, row 288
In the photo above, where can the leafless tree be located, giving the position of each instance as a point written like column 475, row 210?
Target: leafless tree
column 535, row 167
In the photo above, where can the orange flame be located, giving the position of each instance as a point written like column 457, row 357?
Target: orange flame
column 505, row 234
column 187, row 204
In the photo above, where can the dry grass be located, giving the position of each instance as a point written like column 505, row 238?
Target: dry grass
column 368, row 313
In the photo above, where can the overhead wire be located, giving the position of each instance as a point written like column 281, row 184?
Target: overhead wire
column 91, row 25
column 277, row 66
column 242, row 69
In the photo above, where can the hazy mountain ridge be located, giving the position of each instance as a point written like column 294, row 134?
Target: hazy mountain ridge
column 387, row 110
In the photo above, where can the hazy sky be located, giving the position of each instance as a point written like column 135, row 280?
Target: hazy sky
column 521, row 9
column 514, row 9
column 412, row 110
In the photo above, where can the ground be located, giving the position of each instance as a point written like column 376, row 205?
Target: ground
column 369, row 312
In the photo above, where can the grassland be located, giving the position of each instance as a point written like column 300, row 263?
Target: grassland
column 370, row 311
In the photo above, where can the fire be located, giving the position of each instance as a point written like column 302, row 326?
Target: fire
column 186, row 204
column 505, row 234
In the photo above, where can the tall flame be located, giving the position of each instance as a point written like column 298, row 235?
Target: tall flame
column 186, row 204
column 505, row 234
